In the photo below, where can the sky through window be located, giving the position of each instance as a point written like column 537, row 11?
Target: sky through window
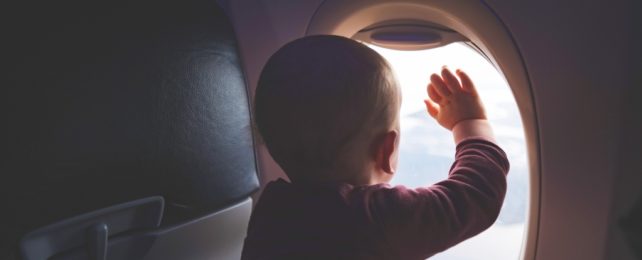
column 427, row 150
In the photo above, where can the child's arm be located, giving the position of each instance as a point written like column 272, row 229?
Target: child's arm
column 417, row 223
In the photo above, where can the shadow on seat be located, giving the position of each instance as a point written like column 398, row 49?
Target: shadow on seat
column 126, row 103
column 131, row 231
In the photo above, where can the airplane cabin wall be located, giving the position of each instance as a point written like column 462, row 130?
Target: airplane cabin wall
column 576, row 54
column 262, row 26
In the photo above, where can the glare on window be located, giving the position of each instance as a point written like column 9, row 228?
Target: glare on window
column 427, row 150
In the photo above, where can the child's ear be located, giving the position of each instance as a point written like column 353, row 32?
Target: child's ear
column 386, row 151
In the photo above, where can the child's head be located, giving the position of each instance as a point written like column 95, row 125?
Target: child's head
column 327, row 109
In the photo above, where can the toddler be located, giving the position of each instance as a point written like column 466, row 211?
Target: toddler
column 327, row 108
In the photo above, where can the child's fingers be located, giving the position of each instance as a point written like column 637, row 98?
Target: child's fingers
column 440, row 85
column 433, row 109
column 466, row 83
column 451, row 81
column 432, row 93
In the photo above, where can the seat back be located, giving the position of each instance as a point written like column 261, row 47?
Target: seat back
column 110, row 102
column 130, row 231
column 92, row 231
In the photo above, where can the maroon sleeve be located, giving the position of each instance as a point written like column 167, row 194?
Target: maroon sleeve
column 418, row 223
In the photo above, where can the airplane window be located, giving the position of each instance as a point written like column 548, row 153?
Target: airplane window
column 427, row 149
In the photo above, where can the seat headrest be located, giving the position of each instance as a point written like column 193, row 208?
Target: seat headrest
column 111, row 102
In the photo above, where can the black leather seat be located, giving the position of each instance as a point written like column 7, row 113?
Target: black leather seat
column 112, row 102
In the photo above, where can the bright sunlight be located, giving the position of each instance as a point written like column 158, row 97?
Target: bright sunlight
column 427, row 150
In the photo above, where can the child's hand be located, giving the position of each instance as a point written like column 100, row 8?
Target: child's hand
column 450, row 101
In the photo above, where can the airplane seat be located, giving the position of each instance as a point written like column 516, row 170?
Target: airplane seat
column 126, row 121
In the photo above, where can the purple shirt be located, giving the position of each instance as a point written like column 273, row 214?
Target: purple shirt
column 342, row 221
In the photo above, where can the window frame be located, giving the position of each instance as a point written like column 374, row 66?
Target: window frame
column 487, row 34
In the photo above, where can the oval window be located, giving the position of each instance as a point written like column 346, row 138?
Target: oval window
column 427, row 150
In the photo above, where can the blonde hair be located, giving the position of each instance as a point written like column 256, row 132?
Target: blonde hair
column 316, row 97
